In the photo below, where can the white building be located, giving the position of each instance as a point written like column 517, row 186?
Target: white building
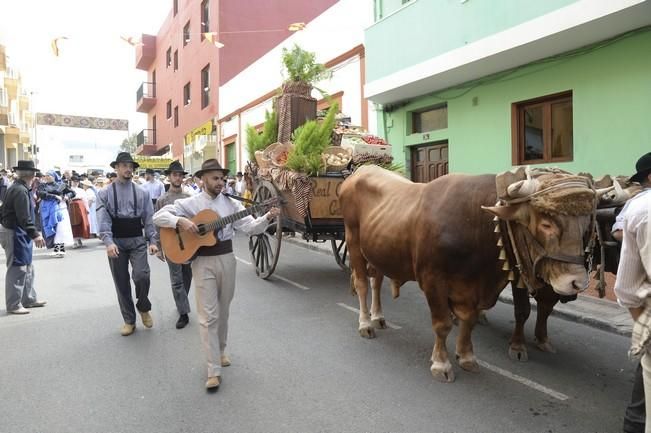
column 337, row 38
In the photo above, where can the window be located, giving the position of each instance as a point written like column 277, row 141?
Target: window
column 168, row 57
column 169, row 109
column 176, row 60
column 430, row 119
column 542, row 130
column 205, row 17
column 205, row 86
column 186, row 94
column 186, row 33
column 176, row 116
column 176, row 7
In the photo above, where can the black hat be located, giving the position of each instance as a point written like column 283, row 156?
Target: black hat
column 112, row 174
column 210, row 165
column 150, row 171
column 175, row 166
column 75, row 178
column 25, row 165
column 124, row 157
column 643, row 167
column 239, row 173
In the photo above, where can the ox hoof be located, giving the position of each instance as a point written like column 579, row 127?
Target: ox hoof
column 443, row 374
column 367, row 332
column 518, row 353
column 482, row 319
column 379, row 323
column 468, row 364
column 545, row 346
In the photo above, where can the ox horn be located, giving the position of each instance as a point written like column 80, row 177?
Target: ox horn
column 522, row 188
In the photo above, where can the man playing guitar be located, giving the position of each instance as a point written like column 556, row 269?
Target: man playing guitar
column 213, row 268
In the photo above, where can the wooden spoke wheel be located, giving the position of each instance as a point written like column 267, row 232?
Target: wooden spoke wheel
column 340, row 251
column 265, row 247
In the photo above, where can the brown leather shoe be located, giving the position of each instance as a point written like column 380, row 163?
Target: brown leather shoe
column 146, row 319
column 213, row 383
column 127, row 329
column 225, row 360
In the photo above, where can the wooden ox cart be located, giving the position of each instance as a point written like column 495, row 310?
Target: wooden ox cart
column 323, row 222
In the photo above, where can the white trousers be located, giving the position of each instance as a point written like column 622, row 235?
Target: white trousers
column 646, row 373
column 214, row 282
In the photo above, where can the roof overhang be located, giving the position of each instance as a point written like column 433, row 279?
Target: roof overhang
column 574, row 26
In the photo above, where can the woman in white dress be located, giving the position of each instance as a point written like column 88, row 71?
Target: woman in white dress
column 91, row 197
column 54, row 195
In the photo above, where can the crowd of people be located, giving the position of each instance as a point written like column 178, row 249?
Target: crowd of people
column 125, row 211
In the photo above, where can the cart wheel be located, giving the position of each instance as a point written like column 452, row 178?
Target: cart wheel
column 265, row 247
column 340, row 250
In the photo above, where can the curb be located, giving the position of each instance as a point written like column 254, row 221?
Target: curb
column 594, row 312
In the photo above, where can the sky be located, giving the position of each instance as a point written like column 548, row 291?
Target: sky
column 94, row 74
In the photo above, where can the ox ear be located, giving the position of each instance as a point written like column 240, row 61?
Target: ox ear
column 515, row 212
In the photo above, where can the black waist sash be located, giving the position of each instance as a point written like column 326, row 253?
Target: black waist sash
column 126, row 227
column 221, row 247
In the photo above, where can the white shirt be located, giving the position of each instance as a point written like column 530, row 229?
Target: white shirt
column 634, row 272
column 169, row 215
column 155, row 187
column 619, row 220
column 80, row 193
column 239, row 187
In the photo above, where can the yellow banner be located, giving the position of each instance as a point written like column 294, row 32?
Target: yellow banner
column 153, row 162
column 205, row 129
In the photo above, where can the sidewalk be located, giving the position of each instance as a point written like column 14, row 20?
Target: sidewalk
column 595, row 312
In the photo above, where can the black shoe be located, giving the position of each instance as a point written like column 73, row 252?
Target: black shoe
column 183, row 320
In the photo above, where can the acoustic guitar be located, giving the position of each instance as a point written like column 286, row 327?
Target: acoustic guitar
column 181, row 246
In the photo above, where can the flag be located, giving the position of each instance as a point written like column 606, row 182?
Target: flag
column 295, row 27
column 212, row 37
column 55, row 45
column 132, row 41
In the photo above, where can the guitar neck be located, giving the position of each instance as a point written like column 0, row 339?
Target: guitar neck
column 222, row 222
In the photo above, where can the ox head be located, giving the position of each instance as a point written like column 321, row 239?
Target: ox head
column 554, row 213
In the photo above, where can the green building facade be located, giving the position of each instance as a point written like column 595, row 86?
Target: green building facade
column 479, row 86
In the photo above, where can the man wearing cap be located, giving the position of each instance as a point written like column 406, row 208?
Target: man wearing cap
column 17, row 232
column 633, row 283
column 180, row 275
column 239, row 184
column 123, row 210
column 154, row 186
column 213, row 269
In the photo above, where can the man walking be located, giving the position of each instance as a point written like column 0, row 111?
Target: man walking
column 154, row 186
column 214, row 267
column 123, row 210
column 17, row 233
column 180, row 275
column 633, row 283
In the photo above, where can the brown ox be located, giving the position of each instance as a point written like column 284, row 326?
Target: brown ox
column 438, row 235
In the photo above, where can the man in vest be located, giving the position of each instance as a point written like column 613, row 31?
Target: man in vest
column 180, row 274
column 214, row 267
column 17, row 235
column 123, row 210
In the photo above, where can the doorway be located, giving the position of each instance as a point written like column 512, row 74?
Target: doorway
column 429, row 161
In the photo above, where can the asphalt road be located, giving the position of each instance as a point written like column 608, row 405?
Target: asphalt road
column 298, row 362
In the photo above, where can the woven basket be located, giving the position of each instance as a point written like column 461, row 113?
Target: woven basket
column 336, row 150
column 280, row 149
column 297, row 88
column 261, row 160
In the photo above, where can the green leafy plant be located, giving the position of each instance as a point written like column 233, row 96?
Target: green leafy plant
column 256, row 141
column 301, row 65
column 310, row 140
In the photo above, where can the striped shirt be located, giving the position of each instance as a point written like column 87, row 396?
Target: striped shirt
column 634, row 272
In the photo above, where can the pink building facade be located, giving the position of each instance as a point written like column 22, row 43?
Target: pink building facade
column 185, row 69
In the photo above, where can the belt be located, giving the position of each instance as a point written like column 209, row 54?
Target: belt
column 221, row 247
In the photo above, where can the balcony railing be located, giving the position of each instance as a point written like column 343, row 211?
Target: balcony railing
column 146, row 137
column 146, row 97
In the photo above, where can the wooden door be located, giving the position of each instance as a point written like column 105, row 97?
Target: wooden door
column 429, row 162
column 231, row 158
